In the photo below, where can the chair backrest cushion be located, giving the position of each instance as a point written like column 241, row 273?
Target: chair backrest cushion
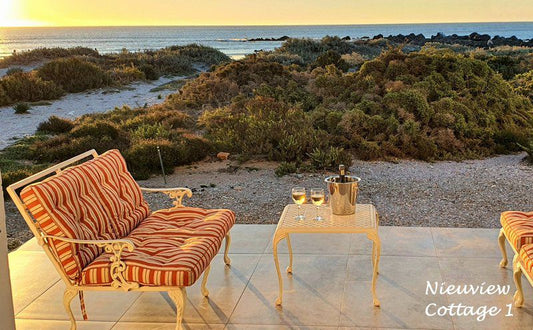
column 96, row 200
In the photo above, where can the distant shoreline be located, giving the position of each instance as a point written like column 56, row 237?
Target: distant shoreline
column 134, row 38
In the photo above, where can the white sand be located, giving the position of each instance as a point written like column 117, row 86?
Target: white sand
column 13, row 126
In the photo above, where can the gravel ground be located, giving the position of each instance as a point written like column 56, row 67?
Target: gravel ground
column 408, row 193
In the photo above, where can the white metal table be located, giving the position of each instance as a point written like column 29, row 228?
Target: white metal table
column 364, row 221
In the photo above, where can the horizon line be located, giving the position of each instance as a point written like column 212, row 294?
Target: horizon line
column 258, row 25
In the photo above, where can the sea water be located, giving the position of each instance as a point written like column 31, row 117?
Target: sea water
column 232, row 40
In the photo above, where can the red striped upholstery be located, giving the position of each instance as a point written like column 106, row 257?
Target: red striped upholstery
column 526, row 259
column 518, row 227
column 98, row 199
column 172, row 248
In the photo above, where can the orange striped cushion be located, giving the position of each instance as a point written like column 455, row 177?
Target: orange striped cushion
column 518, row 227
column 526, row 258
column 95, row 200
column 172, row 248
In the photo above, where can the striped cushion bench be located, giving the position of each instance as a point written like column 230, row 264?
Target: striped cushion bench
column 172, row 248
column 518, row 227
column 93, row 222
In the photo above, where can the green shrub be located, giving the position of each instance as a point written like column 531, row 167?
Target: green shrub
column 194, row 148
column 149, row 71
column 173, row 64
column 330, row 159
column 285, row 168
column 126, row 75
column 143, row 159
column 27, row 87
column 21, row 108
column 55, row 125
column 523, row 84
column 260, row 126
column 96, row 128
column 151, row 131
column 74, row 74
column 331, row 57
column 200, row 54
column 40, row 54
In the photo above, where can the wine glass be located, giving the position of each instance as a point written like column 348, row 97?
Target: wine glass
column 318, row 197
column 298, row 196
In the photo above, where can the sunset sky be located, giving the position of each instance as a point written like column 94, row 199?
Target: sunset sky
column 257, row 12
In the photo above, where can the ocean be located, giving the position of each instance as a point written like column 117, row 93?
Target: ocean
column 229, row 39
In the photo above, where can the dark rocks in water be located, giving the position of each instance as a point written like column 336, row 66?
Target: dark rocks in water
column 270, row 39
column 346, row 38
column 479, row 37
column 415, row 39
column 378, row 36
column 472, row 40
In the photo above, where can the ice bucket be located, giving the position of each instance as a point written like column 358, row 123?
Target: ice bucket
column 343, row 195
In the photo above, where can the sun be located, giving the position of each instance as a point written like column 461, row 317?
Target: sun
column 10, row 15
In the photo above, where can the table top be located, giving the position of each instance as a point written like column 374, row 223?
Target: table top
column 365, row 219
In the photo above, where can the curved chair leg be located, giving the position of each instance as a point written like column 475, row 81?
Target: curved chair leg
column 518, row 297
column 501, row 242
column 69, row 294
column 205, row 292
column 179, row 297
column 227, row 260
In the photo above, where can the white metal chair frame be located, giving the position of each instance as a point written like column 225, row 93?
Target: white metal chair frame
column 518, row 298
column 116, row 246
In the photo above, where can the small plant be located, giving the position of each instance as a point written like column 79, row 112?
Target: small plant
column 150, row 71
column 285, row 168
column 55, row 125
column 21, row 108
column 330, row 159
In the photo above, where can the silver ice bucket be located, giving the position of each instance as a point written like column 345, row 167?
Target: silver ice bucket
column 343, row 196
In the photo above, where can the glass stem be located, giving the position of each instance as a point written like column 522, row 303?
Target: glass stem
column 299, row 207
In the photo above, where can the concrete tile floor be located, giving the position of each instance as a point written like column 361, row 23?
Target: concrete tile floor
column 330, row 287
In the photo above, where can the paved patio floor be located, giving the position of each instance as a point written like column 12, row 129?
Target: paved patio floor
column 330, row 287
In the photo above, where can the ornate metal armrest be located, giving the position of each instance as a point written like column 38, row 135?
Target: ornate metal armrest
column 115, row 246
column 174, row 193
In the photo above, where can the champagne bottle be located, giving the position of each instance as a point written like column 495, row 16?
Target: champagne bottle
column 342, row 174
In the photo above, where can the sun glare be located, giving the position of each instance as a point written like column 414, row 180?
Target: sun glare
column 9, row 15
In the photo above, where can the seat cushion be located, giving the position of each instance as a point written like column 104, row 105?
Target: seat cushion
column 172, row 248
column 518, row 227
column 96, row 200
column 526, row 258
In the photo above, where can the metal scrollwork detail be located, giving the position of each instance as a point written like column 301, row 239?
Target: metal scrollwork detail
column 177, row 195
column 118, row 266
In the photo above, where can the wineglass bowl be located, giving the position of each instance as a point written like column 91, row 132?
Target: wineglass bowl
column 318, row 197
column 298, row 196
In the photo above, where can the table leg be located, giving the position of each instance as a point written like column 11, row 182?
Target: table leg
column 374, row 257
column 377, row 247
column 275, row 242
column 289, row 269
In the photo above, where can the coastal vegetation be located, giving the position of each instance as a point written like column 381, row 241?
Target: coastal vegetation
column 310, row 105
column 79, row 69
